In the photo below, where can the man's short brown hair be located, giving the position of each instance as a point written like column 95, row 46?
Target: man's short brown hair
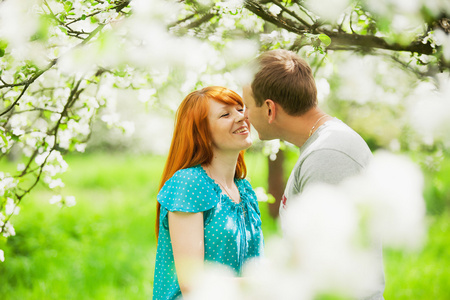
column 286, row 79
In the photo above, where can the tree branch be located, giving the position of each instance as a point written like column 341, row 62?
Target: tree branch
column 27, row 84
column 278, row 21
column 338, row 38
column 369, row 41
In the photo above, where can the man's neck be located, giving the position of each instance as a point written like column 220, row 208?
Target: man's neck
column 296, row 129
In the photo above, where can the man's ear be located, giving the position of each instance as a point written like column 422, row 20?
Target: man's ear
column 271, row 110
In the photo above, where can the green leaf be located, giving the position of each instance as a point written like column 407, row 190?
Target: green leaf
column 3, row 45
column 325, row 39
column 68, row 6
column 83, row 17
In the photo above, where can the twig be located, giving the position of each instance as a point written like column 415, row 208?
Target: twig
column 293, row 14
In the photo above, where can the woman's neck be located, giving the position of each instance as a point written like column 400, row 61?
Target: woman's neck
column 223, row 169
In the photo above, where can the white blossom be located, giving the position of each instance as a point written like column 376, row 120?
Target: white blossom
column 56, row 183
column 7, row 229
column 271, row 148
column 80, row 147
column 69, row 201
column 261, row 194
column 274, row 9
column 111, row 119
column 18, row 21
column 56, row 199
column 327, row 9
column 11, row 207
column 390, row 194
column 146, row 94
column 230, row 5
column 443, row 39
column 332, row 237
column 429, row 110
column 6, row 183
column 2, row 255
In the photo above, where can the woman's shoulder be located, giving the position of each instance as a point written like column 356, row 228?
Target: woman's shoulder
column 188, row 189
column 189, row 173
column 192, row 176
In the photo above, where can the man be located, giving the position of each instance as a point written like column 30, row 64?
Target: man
column 281, row 104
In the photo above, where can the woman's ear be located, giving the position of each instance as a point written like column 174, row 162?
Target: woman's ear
column 271, row 110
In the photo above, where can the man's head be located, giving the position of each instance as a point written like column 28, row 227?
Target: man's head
column 285, row 78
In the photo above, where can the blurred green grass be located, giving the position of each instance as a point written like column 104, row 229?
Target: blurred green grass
column 104, row 247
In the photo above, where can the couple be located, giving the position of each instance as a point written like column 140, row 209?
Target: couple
column 207, row 211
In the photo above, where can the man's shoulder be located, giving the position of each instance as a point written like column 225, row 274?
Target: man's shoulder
column 337, row 137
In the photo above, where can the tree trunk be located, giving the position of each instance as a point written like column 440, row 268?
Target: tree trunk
column 276, row 182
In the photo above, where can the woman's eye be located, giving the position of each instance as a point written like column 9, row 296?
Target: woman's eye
column 225, row 115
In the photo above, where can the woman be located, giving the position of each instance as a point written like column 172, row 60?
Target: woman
column 206, row 211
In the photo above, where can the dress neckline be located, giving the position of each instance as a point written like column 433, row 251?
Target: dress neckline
column 218, row 189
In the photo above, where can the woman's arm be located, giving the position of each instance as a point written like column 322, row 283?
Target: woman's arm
column 187, row 236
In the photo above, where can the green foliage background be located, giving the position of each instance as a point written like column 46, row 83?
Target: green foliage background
column 104, row 247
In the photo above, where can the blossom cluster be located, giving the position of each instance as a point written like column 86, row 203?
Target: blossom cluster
column 333, row 235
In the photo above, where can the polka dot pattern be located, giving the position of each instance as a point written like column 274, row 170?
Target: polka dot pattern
column 232, row 231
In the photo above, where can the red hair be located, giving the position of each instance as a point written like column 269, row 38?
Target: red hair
column 191, row 141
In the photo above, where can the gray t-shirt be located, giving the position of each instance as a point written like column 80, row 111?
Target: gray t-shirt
column 333, row 153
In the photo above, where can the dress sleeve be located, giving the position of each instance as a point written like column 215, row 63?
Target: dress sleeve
column 186, row 191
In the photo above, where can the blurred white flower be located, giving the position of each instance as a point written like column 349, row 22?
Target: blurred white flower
column 389, row 195
column 322, row 227
column 56, row 183
column 70, row 201
column 393, row 7
column 437, row 7
column 40, row 158
column 80, row 147
column 18, row 21
column 56, row 199
column 146, row 94
column 274, row 9
column 215, row 282
column 239, row 51
column 61, row 201
column 2, row 255
column 443, row 39
column 11, row 207
column 230, row 5
column 127, row 127
column 20, row 167
column 111, row 118
column 282, row 36
column 275, row 276
column 429, row 110
column 323, row 89
column 261, row 194
column 329, row 10
column 7, row 229
column 271, row 148
column 6, row 183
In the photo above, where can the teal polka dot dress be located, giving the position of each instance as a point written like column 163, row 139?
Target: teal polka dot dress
column 232, row 231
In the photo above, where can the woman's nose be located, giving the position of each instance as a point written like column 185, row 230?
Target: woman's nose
column 241, row 116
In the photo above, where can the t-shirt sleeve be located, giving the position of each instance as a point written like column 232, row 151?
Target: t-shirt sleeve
column 326, row 166
column 186, row 191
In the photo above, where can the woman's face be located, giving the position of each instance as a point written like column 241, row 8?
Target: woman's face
column 230, row 129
